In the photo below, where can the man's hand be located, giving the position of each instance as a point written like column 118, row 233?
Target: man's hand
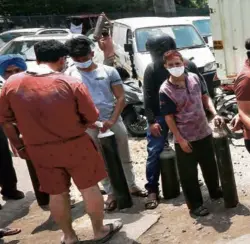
column 236, row 123
column 107, row 125
column 185, row 145
column 23, row 154
column 218, row 121
column 155, row 129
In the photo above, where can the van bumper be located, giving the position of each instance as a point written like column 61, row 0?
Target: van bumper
column 211, row 83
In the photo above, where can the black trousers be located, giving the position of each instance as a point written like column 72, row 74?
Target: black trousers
column 8, row 179
column 203, row 154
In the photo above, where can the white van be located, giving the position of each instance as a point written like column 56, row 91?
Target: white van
column 130, row 36
column 203, row 25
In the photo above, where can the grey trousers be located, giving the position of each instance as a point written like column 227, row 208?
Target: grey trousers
column 121, row 136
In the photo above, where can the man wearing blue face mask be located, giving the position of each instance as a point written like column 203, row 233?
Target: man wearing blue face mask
column 106, row 89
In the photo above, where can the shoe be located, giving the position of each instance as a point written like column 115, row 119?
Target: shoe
column 13, row 195
column 200, row 211
column 217, row 195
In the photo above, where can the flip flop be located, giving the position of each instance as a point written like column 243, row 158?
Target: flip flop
column 114, row 228
column 9, row 232
column 110, row 206
column 151, row 204
column 139, row 193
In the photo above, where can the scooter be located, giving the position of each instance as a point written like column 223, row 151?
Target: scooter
column 134, row 113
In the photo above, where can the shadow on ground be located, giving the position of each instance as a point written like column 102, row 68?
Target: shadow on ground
column 49, row 224
column 221, row 218
column 14, row 210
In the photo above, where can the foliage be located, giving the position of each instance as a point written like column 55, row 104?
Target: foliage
column 34, row 7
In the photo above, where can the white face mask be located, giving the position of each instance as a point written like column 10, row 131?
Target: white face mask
column 177, row 71
column 83, row 65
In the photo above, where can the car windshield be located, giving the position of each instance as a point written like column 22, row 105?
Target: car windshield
column 185, row 36
column 203, row 26
column 6, row 37
column 24, row 48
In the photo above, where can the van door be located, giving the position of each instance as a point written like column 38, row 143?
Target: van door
column 119, row 39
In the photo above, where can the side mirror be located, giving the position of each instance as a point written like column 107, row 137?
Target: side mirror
column 128, row 48
column 205, row 39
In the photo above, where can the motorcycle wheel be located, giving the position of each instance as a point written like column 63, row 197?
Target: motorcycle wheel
column 136, row 124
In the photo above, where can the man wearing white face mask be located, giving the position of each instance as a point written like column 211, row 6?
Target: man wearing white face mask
column 182, row 97
column 106, row 89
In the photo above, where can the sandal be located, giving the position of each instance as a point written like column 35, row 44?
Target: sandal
column 114, row 228
column 9, row 232
column 200, row 211
column 139, row 193
column 110, row 206
column 151, row 204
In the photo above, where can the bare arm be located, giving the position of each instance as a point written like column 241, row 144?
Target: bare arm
column 120, row 104
column 208, row 104
column 184, row 144
column 172, row 126
column 100, row 44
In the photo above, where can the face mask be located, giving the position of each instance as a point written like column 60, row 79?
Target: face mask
column 176, row 71
column 83, row 65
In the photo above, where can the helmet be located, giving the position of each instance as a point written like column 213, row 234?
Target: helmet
column 158, row 44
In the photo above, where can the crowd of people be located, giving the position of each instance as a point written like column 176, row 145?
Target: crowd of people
column 49, row 118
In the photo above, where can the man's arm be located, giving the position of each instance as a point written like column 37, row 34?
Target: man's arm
column 100, row 44
column 85, row 105
column 118, row 91
column 8, row 123
column 149, row 94
column 120, row 102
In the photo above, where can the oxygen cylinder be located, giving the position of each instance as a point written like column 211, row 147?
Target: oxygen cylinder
column 41, row 197
column 115, row 170
column 99, row 26
column 169, row 175
column 225, row 167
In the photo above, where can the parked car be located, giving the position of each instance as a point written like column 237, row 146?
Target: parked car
column 7, row 36
column 203, row 25
column 24, row 46
column 130, row 36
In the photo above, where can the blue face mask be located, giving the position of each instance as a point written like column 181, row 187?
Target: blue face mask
column 83, row 65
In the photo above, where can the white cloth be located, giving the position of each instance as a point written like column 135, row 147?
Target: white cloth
column 77, row 29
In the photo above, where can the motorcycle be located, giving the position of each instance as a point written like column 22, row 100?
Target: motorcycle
column 134, row 113
column 226, row 106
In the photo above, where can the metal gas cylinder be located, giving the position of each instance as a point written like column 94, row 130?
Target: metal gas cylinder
column 225, row 167
column 115, row 170
column 169, row 175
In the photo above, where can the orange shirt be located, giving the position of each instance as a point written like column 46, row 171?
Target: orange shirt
column 242, row 89
column 47, row 109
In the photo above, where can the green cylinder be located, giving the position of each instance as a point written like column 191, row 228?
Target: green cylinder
column 225, row 167
column 169, row 175
column 41, row 197
column 115, row 170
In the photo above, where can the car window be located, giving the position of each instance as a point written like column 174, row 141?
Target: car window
column 129, row 37
column 203, row 26
column 53, row 32
column 185, row 36
column 24, row 48
column 10, row 36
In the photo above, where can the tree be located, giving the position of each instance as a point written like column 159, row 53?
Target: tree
column 164, row 6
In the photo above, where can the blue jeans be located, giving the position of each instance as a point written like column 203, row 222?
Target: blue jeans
column 155, row 147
